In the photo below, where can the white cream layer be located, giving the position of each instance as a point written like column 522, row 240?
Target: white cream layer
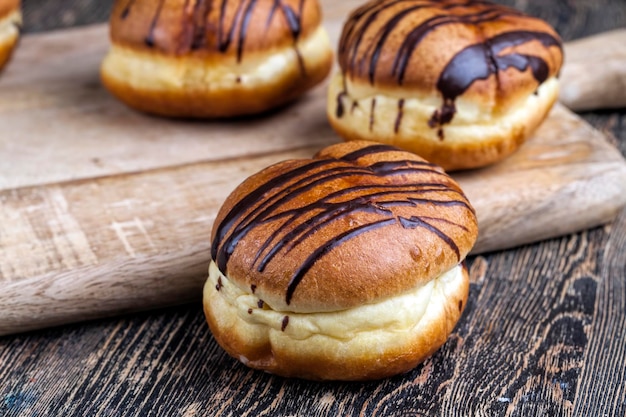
column 471, row 122
column 8, row 29
column 156, row 72
column 400, row 313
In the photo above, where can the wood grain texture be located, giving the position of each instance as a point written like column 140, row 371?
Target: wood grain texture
column 86, row 249
column 119, row 220
column 543, row 334
column 605, row 354
column 62, row 118
column 522, row 348
column 95, row 247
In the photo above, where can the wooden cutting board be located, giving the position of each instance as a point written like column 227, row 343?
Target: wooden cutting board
column 104, row 210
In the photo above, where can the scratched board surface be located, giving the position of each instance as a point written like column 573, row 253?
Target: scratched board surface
column 542, row 335
column 106, row 210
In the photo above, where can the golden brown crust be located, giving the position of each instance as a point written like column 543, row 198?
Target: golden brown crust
column 10, row 21
column 6, row 49
column 198, row 104
column 466, row 61
column 210, row 27
column 8, row 6
column 451, row 158
column 358, row 223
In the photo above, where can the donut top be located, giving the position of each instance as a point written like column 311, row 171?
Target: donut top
column 357, row 223
column 212, row 27
column 449, row 48
column 7, row 7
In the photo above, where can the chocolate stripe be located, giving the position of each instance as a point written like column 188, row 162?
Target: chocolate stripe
column 334, row 211
column 471, row 64
column 228, row 32
column 327, row 247
column 366, row 190
column 149, row 40
column 126, row 10
column 202, row 10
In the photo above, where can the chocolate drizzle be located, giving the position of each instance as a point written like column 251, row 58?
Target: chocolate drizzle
column 375, row 22
column 149, row 40
column 231, row 32
column 201, row 12
column 284, row 207
column 340, row 110
column 126, row 10
column 294, row 20
column 243, row 28
column 396, row 126
column 479, row 61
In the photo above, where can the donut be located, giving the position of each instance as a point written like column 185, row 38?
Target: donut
column 347, row 266
column 210, row 59
column 10, row 22
column 461, row 83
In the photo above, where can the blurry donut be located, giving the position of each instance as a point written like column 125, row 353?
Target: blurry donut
column 10, row 22
column 214, row 59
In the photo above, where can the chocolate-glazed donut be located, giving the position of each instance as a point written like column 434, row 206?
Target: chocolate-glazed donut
column 346, row 266
column 10, row 22
column 210, row 58
column 462, row 83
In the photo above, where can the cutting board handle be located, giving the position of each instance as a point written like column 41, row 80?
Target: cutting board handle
column 594, row 74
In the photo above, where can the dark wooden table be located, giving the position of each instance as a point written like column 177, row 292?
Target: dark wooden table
column 544, row 332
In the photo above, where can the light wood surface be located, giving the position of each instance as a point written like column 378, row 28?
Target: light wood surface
column 595, row 74
column 105, row 210
column 543, row 333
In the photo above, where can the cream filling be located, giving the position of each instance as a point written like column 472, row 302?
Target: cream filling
column 400, row 313
column 471, row 121
column 154, row 71
column 8, row 28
